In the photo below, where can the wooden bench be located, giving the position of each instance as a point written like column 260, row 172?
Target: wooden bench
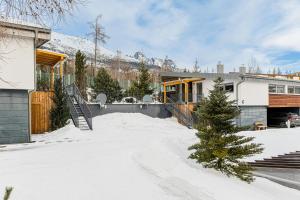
column 259, row 126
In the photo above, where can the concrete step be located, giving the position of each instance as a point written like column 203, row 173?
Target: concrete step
column 274, row 166
column 278, row 163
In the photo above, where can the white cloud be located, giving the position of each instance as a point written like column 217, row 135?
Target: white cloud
column 230, row 31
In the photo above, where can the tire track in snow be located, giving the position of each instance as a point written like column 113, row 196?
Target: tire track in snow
column 174, row 186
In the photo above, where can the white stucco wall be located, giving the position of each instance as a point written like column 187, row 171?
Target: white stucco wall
column 209, row 84
column 253, row 93
column 17, row 63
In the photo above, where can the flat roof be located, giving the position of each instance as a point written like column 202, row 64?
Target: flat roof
column 20, row 28
column 20, row 24
column 232, row 76
column 45, row 57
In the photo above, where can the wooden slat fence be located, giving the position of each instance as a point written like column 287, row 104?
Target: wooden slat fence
column 41, row 104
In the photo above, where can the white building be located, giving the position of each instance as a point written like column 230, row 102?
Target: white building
column 18, row 43
column 257, row 96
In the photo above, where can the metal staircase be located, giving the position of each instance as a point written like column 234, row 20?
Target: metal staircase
column 183, row 117
column 79, row 110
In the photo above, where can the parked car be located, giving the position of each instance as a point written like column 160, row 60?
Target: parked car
column 280, row 119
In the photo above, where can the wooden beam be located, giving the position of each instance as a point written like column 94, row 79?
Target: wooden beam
column 61, row 69
column 52, row 79
column 165, row 92
column 186, row 92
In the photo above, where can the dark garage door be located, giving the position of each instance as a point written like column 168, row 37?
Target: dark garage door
column 275, row 115
column 14, row 116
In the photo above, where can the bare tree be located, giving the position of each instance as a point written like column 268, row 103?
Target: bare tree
column 37, row 10
column 196, row 66
column 98, row 35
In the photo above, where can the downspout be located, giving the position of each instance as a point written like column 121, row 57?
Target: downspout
column 237, row 96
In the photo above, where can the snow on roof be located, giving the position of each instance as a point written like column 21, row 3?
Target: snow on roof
column 22, row 22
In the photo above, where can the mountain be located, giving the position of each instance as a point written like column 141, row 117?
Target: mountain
column 69, row 45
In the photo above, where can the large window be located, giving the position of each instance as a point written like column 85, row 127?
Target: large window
column 280, row 89
column 291, row 89
column 228, row 87
column 272, row 88
column 294, row 89
column 276, row 88
column 297, row 90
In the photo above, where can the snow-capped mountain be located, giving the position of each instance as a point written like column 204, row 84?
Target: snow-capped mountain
column 71, row 44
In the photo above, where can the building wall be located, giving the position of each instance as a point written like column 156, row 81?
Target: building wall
column 253, row 93
column 14, row 116
column 208, row 85
column 17, row 63
column 152, row 110
column 251, row 114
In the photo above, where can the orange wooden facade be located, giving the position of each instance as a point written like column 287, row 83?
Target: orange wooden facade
column 41, row 104
column 283, row 100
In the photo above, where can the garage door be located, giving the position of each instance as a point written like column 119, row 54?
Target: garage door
column 14, row 116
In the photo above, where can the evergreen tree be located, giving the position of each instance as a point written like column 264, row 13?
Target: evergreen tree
column 60, row 112
column 80, row 73
column 141, row 87
column 7, row 194
column 219, row 146
column 105, row 84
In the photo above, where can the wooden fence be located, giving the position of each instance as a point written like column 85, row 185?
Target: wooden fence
column 41, row 104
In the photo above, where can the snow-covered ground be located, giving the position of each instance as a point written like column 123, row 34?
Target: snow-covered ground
column 127, row 156
column 275, row 141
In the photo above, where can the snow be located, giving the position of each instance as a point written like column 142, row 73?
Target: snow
column 71, row 44
column 22, row 22
column 126, row 156
column 275, row 141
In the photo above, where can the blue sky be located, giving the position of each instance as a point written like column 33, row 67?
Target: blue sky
column 234, row 32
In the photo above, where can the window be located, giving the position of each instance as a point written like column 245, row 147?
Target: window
column 229, row 87
column 297, row 90
column 291, row 89
column 280, row 89
column 276, row 88
column 272, row 88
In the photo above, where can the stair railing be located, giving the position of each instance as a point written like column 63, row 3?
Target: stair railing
column 186, row 118
column 87, row 114
column 73, row 112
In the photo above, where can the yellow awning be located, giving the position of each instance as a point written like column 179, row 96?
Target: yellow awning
column 186, row 80
column 45, row 57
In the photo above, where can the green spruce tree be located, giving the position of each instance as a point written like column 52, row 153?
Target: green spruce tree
column 105, row 84
column 141, row 87
column 8, row 191
column 219, row 146
column 80, row 73
column 60, row 112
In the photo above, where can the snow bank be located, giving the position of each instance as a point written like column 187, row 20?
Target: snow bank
column 275, row 141
column 127, row 156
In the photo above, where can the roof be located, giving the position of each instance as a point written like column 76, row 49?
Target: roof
column 45, row 57
column 231, row 76
column 5, row 21
column 42, row 34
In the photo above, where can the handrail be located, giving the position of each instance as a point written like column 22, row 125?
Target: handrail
column 73, row 111
column 188, row 120
column 87, row 114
